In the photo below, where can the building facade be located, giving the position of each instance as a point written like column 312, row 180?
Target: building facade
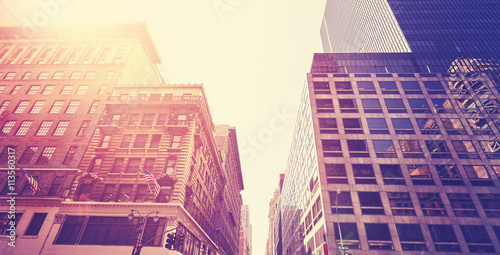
column 273, row 204
column 87, row 114
column 245, row 244
column 406, row 162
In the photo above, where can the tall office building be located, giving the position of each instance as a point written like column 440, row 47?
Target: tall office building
column 442, row 35
column 85, row 110
column 273, row 205
column 245, row 244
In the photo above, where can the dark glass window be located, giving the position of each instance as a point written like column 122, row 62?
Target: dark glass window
column 324, row 105
column 443, row 105
column 449, row 175
column 126, row 141
column 401, row 203
column 403, row 126
column 352, row 126
column 370, row 203
column 462, row 205
column 56, row 185
column 419, row 105
column 465, row 149
column 321, row 87
column 363, row 174
column 392, row 175
column 395, row 105
column 477, row 239
column 140, row 141
column 375, row 233
column 377, row 126
column 70, row 230
column 411, row 149
column 371, row 105
column 350, row 236
column 328, row 126
column 357, row 148
column 348, row 106
column 332, row 148
column 431, row 204
column 366, row 87
column 479, row 126
column 467, row 105
column 125, row 193
column 428, row 126
column 343, row 87
column 118, row 165
column 384, row 148
column 444, row 238
column 420, row 175
column 411, row 87
column 344, row 203
column 434, row 87
column 335, row 173
column 438, row 149
column 410, row 232
column 453, row 127
column 491, row 204
column 388, row 87
column 35, row 224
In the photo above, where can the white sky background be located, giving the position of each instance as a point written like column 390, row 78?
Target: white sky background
column 252, row 60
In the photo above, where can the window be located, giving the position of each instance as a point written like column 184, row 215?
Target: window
column 155, row 141
column 125, row 193
column 90, row 75
column 457, row 87
column 411, row 87
column 149, row 164
column 350, row 236
column 467, row 105
column 75, row 75
column 44, row 128
column 48, row 89
column 5, row 222
column 71, row 154
column 403, row 126
column 434, row 87
column 331, row 148
column 348, row 106
column 419, row 106
column 43, row 56
column 37, row 107
column 392, row 175
column 477, row 238
column 10, row 76
column 462, row 205
column 93, row 107
column 370, row 203
column 29, row 55
column 395, row 105
column 26, row 75
column 479, row 126
column 411, row 149
column 46, row 155
column 444, row 238
column 43, row 75
column 82, row 90
column 401, row 203
column 411, row 237
column 28, row 154
column 321, row 87
column 126, row 141
column 57, row 75
column 384, row 148
column 109, row 194
column 357, row 148
column 363, row 174
column 480, row 88
column 170, row 166
column 465, row 149
column 491, row 204
column 352, row 126
column 420, row 175
column 438, row 149
column 491, row 148
column 388, row 87
column 344, row 205
column 70, row 230
column 22, row 106
column 15, row 90
column 134, row 119
column 61, row 128
column 366, row 87
column 324, row 105
column 67, row 89
column 4, row 105
column 148, row 119
column 7, row 127
column 443, row 105
column 449, row 175
column 162, row 118
column 176, row 141
column 56, row 185
column 343, row 87
column 118, row 165
column 133, row 165
column 72, row 107
column 377, row 126
column 2, row 88
column 24, row 127
column 371, row 105
column 104, row 142
column 478, row 175
column 83, row 128
column 453, row 127
column 140, row 195
column 335, row 173
column 140, row 141
column 428, row 126
column 33, row 89
column 35, row 224
column 431, row 204
column 379, row 236
column 95, row 165
column 102, row 90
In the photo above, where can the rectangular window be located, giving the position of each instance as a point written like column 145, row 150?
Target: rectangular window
column 44, row 128
column 73, row 56
column 370, row 203
column 434, row 87
column 363, row 174
column 67, row 89
column 57, row 75
column 335, row 174
column 140, row 141
column 170, row 166
column 142, row 191
column 43, row 56
column 411, row 149
column 43, row 75
column 491, row 204
column 411, row 237
column 22, row 106
column 82, row 90
column 176, row 141
column 133, row 165
column 411, row 87
column 328, row 126
column 118, row 165
column 46, row 155
column 125, row 193
column 35, row 224
column 467, row 105
column 377, row 126
column 93, row 107
column 48, row 89
column 15, row 90
column 431, row 204
column 109, row 194
column 56, row 185
column 371, row 106
column 61, row 128
column 10, row 76
column 95, row 165
column 2, row 88
column 462, row 205
column 162, row 118
column 70, row 230
column 28, row 154
column 401, row 203
column 7, row 127
column 478, row 175
column 449, row 175
column 321, row 87
column 324, row 105
column 331, row 148
column 344, row 205
column 29, row 55
column 350, row 236
column 444, row 238
column 402, row 126
column 419, row 106
column 465, row 149
column 110, row 75
column 24, row 127
column 71, row 154
column 155, row 141
column 491, row 148
column 155, row 97
column 479, row 126
column 454, row 127
column 75, row 75
column 352, row 126
column 366, row 87
column 26, row 75
column 37, row 106
column 457, row 88
column 102, row 90
column 348, row 106
column 90, row 75
column 388, row 87
column 5, row 222
column 4, row 106
column 103, row 56
column 379, row 236
column 443, row 105
column 83, row 128
column 428, row 126
column 343, row 87
column 126, row 141
column 72, row 107
column 395, row 105
column 88, row 55
column 384, row 148
column 392, row 175
column 148, row 119
column 420, row 175
column 438, row 149
column 477, row 238
column 104, row 142
column 33, row 89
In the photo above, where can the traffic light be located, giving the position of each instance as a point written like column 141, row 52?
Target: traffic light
column 171, row 241
column 346, row 253
column 179, row 239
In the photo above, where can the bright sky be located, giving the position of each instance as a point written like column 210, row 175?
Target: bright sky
column 252, row 57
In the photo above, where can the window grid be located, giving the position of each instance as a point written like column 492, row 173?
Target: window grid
column 7, row 127
column 47, row 153
column 82, row 90
column 72, row 107
column 37, row 106
column 48, row 89
column 44, row 128
column 4, row 106
column 57, row 75
column 24, row 127
column 93, row 107
column 22, row 106
column 15, row 90
column 33, row 89
column 66, row 89
column 61, row 128
column 43, row 75
column 56, row 107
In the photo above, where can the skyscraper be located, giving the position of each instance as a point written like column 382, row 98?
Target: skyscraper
column 396, row 144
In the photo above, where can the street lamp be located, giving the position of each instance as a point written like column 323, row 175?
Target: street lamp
column 140, row 228
column 341, row 247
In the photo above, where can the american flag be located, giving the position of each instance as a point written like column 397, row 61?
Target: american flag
column 31, row 180
column 150, row 178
